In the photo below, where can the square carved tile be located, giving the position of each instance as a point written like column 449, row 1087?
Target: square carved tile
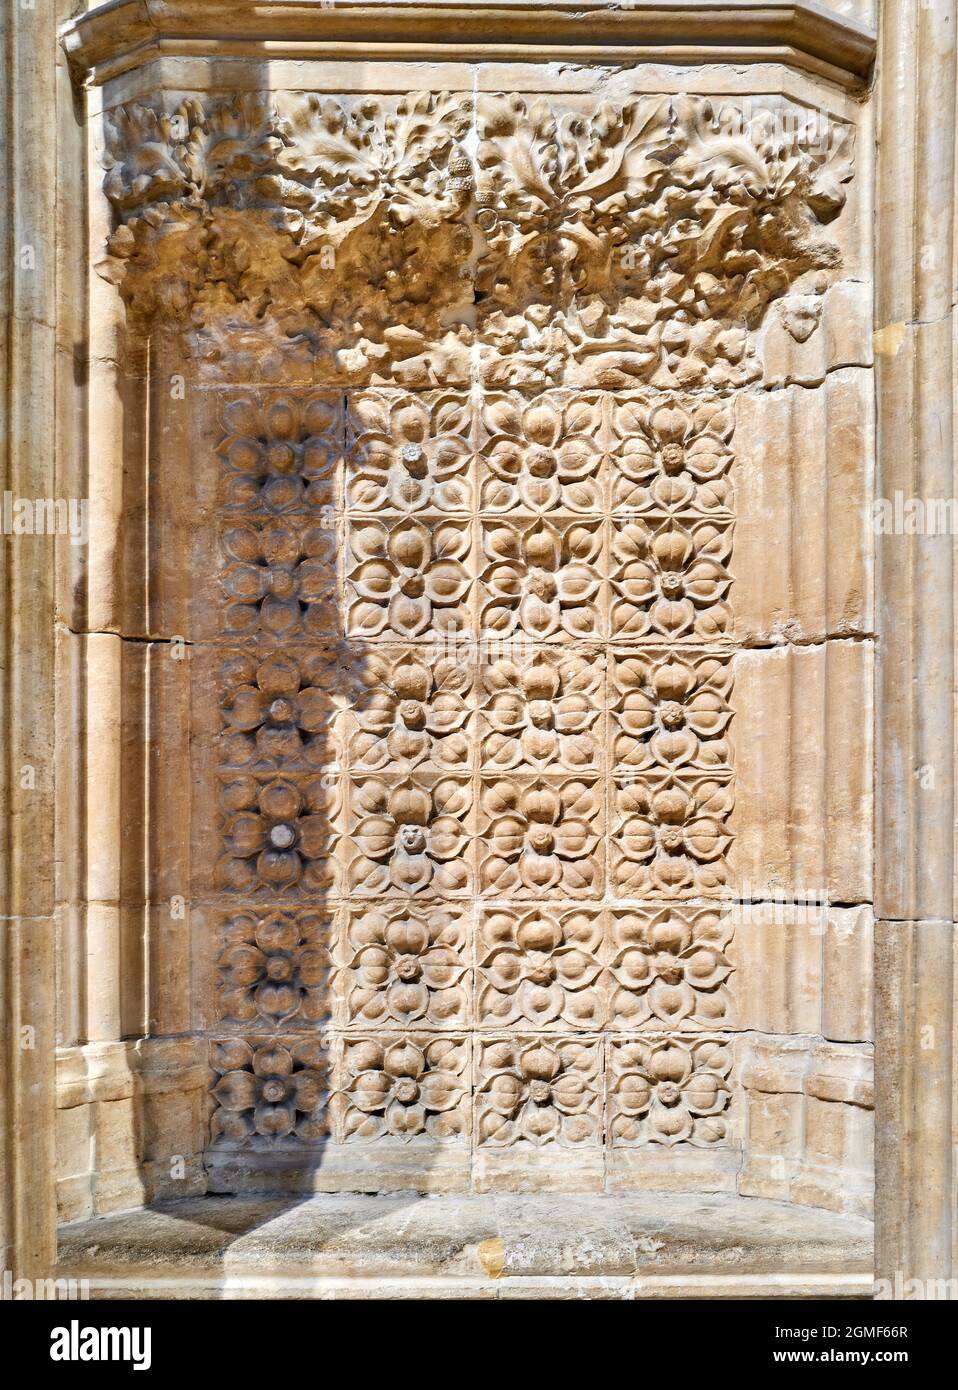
column 667, row 1091
column 404, row 965
column 411, row 1087
column 274, row 967
column 532, row 1091
column 410, row 453
column 541, row 836
column 410, row 835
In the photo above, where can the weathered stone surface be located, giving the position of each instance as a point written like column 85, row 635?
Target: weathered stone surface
column 503, row 1247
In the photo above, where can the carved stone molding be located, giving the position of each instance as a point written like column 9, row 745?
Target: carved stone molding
column 115, row 37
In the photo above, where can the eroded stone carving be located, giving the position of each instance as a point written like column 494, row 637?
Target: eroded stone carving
column 378, row 240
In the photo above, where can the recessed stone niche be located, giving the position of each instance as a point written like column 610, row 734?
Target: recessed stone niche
column 477, row 638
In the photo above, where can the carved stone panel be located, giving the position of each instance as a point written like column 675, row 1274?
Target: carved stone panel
column 474, row 372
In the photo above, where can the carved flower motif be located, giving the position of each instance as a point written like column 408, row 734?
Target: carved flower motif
column 542, row 714
column 410, row 453
column 542, row 580
column 412, row 712
column 672, row 580
column 671, row 458
column 269, row 1093
column 282, row 453
column 273, row 968
column 277, row 834
column 411, row 837
column 539, row 1093
column 667, row 1093
column 400, row 574
column 540, row 836
column 673, row 839
column 672, row 713
column 671, row 966
column 405, row 967
column 404, row 1090
column 281, row 579
column 279, row 711
column 541, row 455
column 541, row 971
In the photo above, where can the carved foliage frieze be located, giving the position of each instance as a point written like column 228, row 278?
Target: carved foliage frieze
column 413, row 241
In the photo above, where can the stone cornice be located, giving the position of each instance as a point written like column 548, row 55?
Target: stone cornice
column 124, row 34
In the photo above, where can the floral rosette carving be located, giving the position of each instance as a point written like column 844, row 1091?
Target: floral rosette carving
column 541, row 836
column 407, row 452
column 282, row 453
column 280, row 712
column 270, row 1095
column 410, row 837
column 532, row 1092
column 541, row 455
column 671, row 841
column 670, row 583
column 672, row 459
column 280, row 579
column 542, row 580
column 541, row 969
column 412, row 713
column 277, row 834
column 405, row 967
column 542, row 713
column 410, row 1088
column 407, row 579
column 670, row 969
column 671, row 712
column 274, row 968
column 668, row 1092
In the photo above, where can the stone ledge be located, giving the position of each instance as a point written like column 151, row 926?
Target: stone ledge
column 689, row 1246
column 123, row 34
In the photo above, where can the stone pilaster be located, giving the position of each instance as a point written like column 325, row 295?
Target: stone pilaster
column 915, row 735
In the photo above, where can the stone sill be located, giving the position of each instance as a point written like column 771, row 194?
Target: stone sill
column 123, row 34
column 685, row 1245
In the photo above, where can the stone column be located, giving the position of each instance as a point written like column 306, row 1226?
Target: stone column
column 28, row 371
column 915, row 745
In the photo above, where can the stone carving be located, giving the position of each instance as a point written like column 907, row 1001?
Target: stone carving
column 410, row 837
column 475, row 765
column 541, row 712
column 405, row 966
column 277, row 834
column 541, row 968
column 275, row 968
column 283, row 456
column 541, row 836
column 413, row 712
column 533, row 1092
column 407, row 1088
column 406, row 578
column 271, row 1095
column 669, row 1092
column 669, row 967
column 373, row 240
column 670, row 711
